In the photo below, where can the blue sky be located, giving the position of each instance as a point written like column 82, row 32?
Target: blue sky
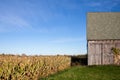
column 48, row 27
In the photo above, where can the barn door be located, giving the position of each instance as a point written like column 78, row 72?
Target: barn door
column 107, row 55
column 94, row 55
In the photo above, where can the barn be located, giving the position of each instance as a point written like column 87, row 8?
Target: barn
column 103, row 34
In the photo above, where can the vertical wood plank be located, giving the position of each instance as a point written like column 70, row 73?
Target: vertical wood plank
column 99, row 52
column 107, row 54
column 94, row 54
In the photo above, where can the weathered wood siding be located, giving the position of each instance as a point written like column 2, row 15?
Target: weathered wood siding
column 99, row 52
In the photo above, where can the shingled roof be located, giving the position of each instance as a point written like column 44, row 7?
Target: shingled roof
column 103, row 25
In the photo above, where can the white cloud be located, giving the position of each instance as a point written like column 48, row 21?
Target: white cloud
column 12, row 22
column 100, row 5
column 93, row 4
column 67, row 40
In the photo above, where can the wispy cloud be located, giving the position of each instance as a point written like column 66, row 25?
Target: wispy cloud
column 67, row 40
column 102, row 3
column 95, row 4
column 99, row 5
column 12, row 22
column 13, row 17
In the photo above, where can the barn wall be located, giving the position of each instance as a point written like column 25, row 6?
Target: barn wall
column 99, row 52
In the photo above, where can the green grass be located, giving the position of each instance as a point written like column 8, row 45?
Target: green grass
column 88, row 73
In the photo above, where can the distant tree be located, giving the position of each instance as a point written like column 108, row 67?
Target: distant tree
column 23, row 54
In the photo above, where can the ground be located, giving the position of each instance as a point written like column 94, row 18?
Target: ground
column 110, row 72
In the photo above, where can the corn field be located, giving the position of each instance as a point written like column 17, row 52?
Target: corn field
column 31, row 67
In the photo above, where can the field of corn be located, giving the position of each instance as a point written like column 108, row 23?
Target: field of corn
column 31, row 67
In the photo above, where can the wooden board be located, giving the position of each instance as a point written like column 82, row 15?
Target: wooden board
column 99, row 52
column 107, row 53
column 94, row 56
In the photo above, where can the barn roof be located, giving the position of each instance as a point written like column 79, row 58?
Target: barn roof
column 103, row 25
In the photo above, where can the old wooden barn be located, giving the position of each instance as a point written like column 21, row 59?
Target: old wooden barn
column 103, row 33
